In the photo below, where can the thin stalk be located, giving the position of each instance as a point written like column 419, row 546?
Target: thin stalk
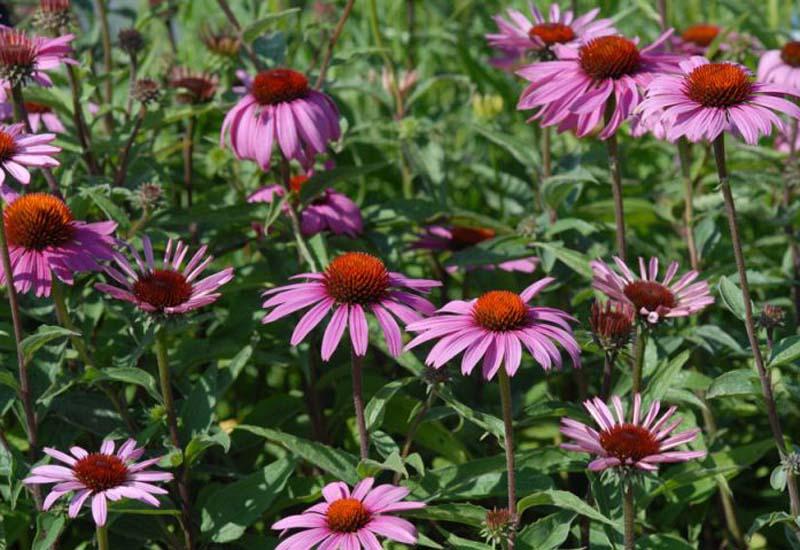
column 616, row 190
column 24, row 382
column 182, row 479
column 82, row 129
column 662, row 15
column 248, row 49
column 357, row 363
column 789, row 227
column 608, row 370
column 21, row 115
column 134, row 71
column 313, row 404
column 629, row 516
column 547, row 166
column 337, row 31
column 414, row 426
column 750, row 326
column 684, row 155
column 505, row 398
column 102, row 537
column 188, row 152
column 294, row 218
column 105, row 36
column 638, row 359
column 122, row 170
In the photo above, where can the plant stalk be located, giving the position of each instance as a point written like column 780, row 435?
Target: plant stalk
column 616, row 190
column 108, row 89
column 188, row 152
column 248, row 49
column 684, row 155
column 629, row 516
column 608, row 370
column 122, row 170
column 505, row 398
column 357, row 362
column 638, row 359
column 102, row 537
column 337, row 31
column 294, row 218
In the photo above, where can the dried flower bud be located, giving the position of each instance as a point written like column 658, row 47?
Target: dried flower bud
column 791, row 462
column 223, row 42
column 771, row 317
column 53, row 16
column 497, row 526
column 528, row 227
column 612, row 324
column 148, row 195
column 146, row 91
column 193, row 87
column 131, row 41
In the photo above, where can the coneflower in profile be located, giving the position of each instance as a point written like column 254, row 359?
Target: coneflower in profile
column 24, row 57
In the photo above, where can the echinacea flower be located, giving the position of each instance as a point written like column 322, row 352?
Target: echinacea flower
column 641, row 443
column 281, row 108
column 352, row 285
column 38, row 114
column 695, row 39
column 654, row 300
column 168, row 288
column 612, row 324
column 193, row 87
column 783, row 140
column 352, row 520
column 494, row 328
column 19, row 150
column 329, row 211
column 460, row 237
column 781, row 66
column 101, row 476
column 575, row 91
column 23, row 57
column 707, row 99
column 45, row 239
column 520, row 34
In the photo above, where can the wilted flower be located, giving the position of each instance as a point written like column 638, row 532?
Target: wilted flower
column 149, row 195
column 771, row 317
column 103, row 476
column 146, row 91
column 131, row 41
column 193, row 87
column 224, row 42
column 352, row 519
column 408, row 79
column 612, row 324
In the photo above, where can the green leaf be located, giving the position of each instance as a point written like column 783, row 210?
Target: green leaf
column 731, row 297
column 338, row 463
column 231, row 510
column 325, row 178
column 200, row 443
column 665, row 375
column 98, row 195
column 374, row 410
column 574, row 260
column 768, row 520
column 490, row 423
column 548, row 533
column 737, row 382
column 521, row 151
column 257, row 28
column 44, row 334
column 48, row 528
column 564, row 500
column 777, row 478
column 785, row 351
column 127, row 375
column 468, row 514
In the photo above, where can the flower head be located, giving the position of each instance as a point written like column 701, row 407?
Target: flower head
column 146, row 91
column 695, row 39
column 38, row 114
column 353, row 284
column 654, row 300
column 45, row 239
column 131, row 41
column 641, row 443
column 612, row 324
column 496, row 526
column 19, row 151
column 193, row 86
column 169, row 288
column 223, row 42
column 23, row 57
column 280, row 107
column 577, row 90
column 781, row 66
column 351, row 519
column 101, row 476
column 52, row 15
column 329, row 211
column 518, row 34
column 707, row 99
column 460, row 237
column 494, row 327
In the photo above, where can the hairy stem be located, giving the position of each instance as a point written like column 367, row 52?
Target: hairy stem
column 414, row 426
column 505, row 398
column 357, row 362
column 684, row 155
column 608, row 370
column 134, row 72
column 616, row 190
column 337, row 32
column 750, row 326
column 294, row 217
column 638, row 359
column 182, row 477
column 629, row 516
column 102, row 537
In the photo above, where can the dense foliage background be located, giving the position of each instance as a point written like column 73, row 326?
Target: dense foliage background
column 450, row 147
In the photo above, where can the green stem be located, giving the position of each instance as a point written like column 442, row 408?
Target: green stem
column 102, row 537
column 294, row 217
column 105, row 35
column 358, row 404
column 638, row 358
column 629, row 516
column 188, row 152
column 505, row 398
column 684, row 155
column 182, row 477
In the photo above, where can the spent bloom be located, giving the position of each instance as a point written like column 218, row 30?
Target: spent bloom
column 460, row 237
column 101, row 476
column 193, row 87
column 329, row 211
column 169, row 288
column 707, row 99
column 641, row 443
column 352, row 519
column 612, row 324
column 24, row 57
column 575, row 91
column 781, row 66
column 281, row 108
column 45, row 239
column 654, row 300
column 353, row 284
column 20, row 151
column 494, row 328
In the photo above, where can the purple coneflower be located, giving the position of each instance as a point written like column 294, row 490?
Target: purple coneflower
column 353, row 284
column 708, row 99
column 23, row 57
column 654, row 300
column 193, row 87
column 352, row 520
column 103, row 476
column 281, row 107
column 495, row 327
column 695, row 39
column 45, row 239
column 18, row 151
column 641, row 443
column 781, row 66
column 168, row 288
column 574, row 91
column 329, row 211
column 39, row 114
